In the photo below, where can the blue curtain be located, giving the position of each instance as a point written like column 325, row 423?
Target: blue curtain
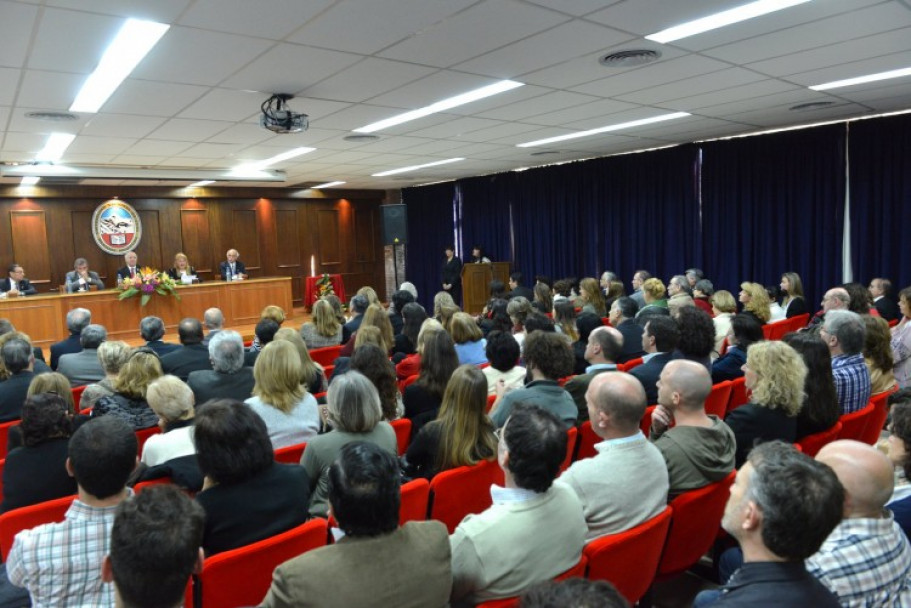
column 484, row 207
column 772, row 204
column 430, row 228
column 880, row 187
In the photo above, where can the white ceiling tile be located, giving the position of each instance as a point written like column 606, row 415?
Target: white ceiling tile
column 15, row 31
column 152, row 98
column 20, row 122
column 543, row 104
column 86, row 144
column 360, row 115
column 138, row 160
column 853, row 69
column 575, row 7
column 120, row 125
column 716, row 81
column 645, row 17
column 738, row 93
column 187, row 161
column 652, row 75
column 210, row 150
column 598, row 111
column 479, row 29
column 433, row 88
column 26, row 145
column 456, row 127
column 226, row 104
column 368, row 79
column 181, row 129
column 274, row 20
column 507, row 129
column 9, row 83
column 42, row 89
column 290, row 68
column 241, row 134
column 72, row 41
column 162, row 11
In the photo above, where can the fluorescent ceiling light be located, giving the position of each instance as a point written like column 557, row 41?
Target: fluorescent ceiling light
column 134, row 40
column 54, row 147
column 202, row 183
column 136, row 173
column 442, row 105
column 262, row 164
column 862, row 79
column 618, row 127
column 326, row 185
column 416, row 167
column 728, row 17
column 29, row 181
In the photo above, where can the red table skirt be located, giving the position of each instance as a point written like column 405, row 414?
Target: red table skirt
column 311, row 291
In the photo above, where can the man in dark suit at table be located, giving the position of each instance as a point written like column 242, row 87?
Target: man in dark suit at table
column 228, row 378
column 132, row 266
column 152, row 331
column 232, row 269
column 659, row 339
column 16, row 284
column 81, row 278
column 19, row 361
column 192, row 356
column 76, row 321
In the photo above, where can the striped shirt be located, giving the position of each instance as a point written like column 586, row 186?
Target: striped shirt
column 852, row 382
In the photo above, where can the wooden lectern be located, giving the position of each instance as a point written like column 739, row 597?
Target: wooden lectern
column 476, row 280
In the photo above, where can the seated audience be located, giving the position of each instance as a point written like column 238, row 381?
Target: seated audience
column 654, row 299
column 152, row 331
column 367, row 334
column 60, row 563
column 639, row 278
column 375, row 316
column 543, row 302
column 355, row 415
column 213, row 321
column 535, row 528
column 411, row 365
column 358, row 307
column 793, row 301
column 155, row 546
column 565, row 319
column 881, row 291
column 83, row 367
column 723, row 308
column 703, row 291
column 247, row 496
column 422, row 398
column 878, row 354
column 129, row 399
column 336, row 305
column 697, row 336
column 372, row 362
column 860, row 301
column 844, row 333
column 288, row 411
column 590, row 297
column 899, row 451
column 538, row 321
column 228, row 378
column 112, row 355
column 518, row 310
column 836, row 298
column 679, row 289
column 461, row 435
column 782, row 506
column 776, row 312
column 363, row 486
column 601, row 353
column 586, row 323
column 469, row 342
column 46, row 383
column 820, row 409
column 19, row 362
column 274, row 313
column 744, row 332
column 775, row 375
column 623, row 316
column 659, row 339
column 626, row 483
column 193, row 354
column 577, row 592
column 76, row 320
column 406, row 341
column 548, row 357
column 901, row 341
column 502, row 352
column 755, row 302
column 324, row 330
column 866, row 560
column 35, row 472
column 497, row 318
column 517, row 288
column 172, row 401
column 615, row 290
column 264, row 332
column 313, row 378
column 398, row 301
column 698, row 448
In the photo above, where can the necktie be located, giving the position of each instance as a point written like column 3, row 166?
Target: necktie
column 132, row 271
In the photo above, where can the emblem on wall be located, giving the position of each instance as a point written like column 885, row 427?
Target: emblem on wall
column 116, row 227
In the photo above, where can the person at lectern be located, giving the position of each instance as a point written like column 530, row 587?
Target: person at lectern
column 232, row 269
column 131, row 269
column 81, row 278
column 478, row 257
column 182, row 271
column 452, row 274
column 16, row 284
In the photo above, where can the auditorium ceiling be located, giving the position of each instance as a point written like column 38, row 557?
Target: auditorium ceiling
column 193, row 102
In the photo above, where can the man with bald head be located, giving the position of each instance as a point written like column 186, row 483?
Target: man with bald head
column 625, row 484
column 866, row 560
column 836, row 298
column 214, row 321
column 601, row 351
column 699, row 449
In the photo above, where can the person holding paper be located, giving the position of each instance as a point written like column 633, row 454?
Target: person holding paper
column 182, row 271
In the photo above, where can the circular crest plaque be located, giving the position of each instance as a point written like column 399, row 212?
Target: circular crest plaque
column 116, row 227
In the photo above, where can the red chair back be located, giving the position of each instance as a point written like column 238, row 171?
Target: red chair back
column 853, row 424
column 605, row 321
column 811, row 444
column 159, row 481
column 415, row 498
column 142, row 435
column 646, row 423
column 695, row 520
column 778, row 329
column 572, row 437
column 241, row 577
column 77, row 395
column 799, row 321
column 563, row 381
column 629, row 559
column 877, row 419
column 325, row 356
column 767, row 331
column 457, row 492
column 739, row 394
column 718, row 399
column 402, row 428
column 577, row 571
column 4, row 435
column 328, row 370
column 586, row 441
column 13, row 522
column 2, row 466
column 408, row 382
column 291, row 454
column 490, row 400
column 625, row 367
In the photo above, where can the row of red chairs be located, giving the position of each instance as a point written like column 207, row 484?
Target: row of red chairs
column 864, row 425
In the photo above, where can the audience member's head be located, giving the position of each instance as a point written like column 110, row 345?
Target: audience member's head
column 502, row 350
column 213, row 319
column 844, row 332
column 190, row 331
column 6, row 327
column 359, row 304
column 532, row 447
column 537, row 321
column 679, row 285
column 723, row 302
column 364, row 490
column 311, row 375
column 604, row 345
column 616, row 404
column 660, row 335
column 518, row 310
column 226, row 352
column 17, row 355
column 369, row 293
column 820, row 404
column 836, row 298
column 684, row 385
column 877, row 343
column 745, row 331
column 697, row 333
column 102, row 454
column 140, row 369
column 900, row 430
column 623, row 309
column 276, row 313
column 413, row 315
column 277, row 376
column 859, row 299
column 497, row 289
column 265, row 331
column 653, row 289
column 171, row 399
column 373, row 362
column 112, row 354
column 864, row 472
column 151, row 328
column 755, row 299
column 549, row 355
column 232, row 443
column 77, row 319
column 354, row 403
column 586, row 323
column 53, row 383
column 45, row 416
column 92, row 336
column 791, row 285
column 324, row 319
column 440, row 301
column 464, row 329
column 336, row 305
column 703, row 289
column 399, row 299
column 573, row 592
column 775, row 374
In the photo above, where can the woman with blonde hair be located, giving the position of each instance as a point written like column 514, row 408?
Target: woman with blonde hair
column 313, row 378
column 439, row 301
column 461, row 435
column 182, row 268
column 112, row 355
column 324, row 329
column 793, row 301
column 724, row 307
column 591, row 298
column 129, row 399
column 755, row 300
column 878, row 354
column 775, row 373
column 411, row 365
column 369, row 293
column 376, row 317
column 53, row 382
column 289, row 411
column 336, row 305
column 565, row 319
column 469, row 342
column 654, row 293
column 353, row 411
column 438, row 361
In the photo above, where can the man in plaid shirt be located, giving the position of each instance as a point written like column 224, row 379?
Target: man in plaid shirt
column 844, row 333
column 866, row 560
column 60, row 563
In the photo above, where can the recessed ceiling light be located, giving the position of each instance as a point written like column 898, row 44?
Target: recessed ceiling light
column 134, row 40
column 202, row 183
column 361, row 138
column 54, row 147
column 29, row 180
column 416, row 167
column 618, row 127
column 442, row 105
column 630, row 58
column 717, row 20
column 811, row 105
column 835, row 84
column 326, row 185
column 262, row 164
column 51, row 116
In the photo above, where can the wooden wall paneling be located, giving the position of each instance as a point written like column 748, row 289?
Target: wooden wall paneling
column 288, row 260
column 329, row 256
column 149, row 249
column 30, row 245
column 245, row 238
column 194, row 231
column 364, row 237
column 170, row 235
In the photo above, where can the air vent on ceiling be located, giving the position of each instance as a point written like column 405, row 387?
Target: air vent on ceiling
column 361, row 138
column 61, row 181
column 811, row 105
column 52, row 116
column 630, row 58
column 545, row 153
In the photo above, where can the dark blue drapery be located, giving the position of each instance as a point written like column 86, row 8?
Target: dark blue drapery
column 430, row 230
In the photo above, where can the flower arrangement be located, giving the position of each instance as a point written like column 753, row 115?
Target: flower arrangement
column 324, row 286
column 147, row 281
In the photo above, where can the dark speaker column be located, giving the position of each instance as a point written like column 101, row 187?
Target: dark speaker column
column 395, row 231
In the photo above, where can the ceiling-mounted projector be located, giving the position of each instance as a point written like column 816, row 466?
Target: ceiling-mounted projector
column 278, row 117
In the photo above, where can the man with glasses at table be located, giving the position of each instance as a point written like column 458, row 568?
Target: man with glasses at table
column 16, row 284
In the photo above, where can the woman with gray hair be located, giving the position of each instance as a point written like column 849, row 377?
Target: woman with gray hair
column 172, row 401
column 112, row 355
column 355, row 414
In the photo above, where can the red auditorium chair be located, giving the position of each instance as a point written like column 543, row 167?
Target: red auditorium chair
column 625, row 367
column 646, row 423
column 586, row 441
column 577, row 571
column 457, row 492
column 739, row 394
column 718, row 399
column 325, row 356
column 811, row 444
column 572, row 437
column 877, row 419
column 12, row 522
column 142, row 435
column 853, row 424
column 77, row 395
column 402, row 428
column 291, row 454
column 4, row 435
column 629, row 559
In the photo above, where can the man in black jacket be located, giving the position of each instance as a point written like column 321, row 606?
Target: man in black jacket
column 659, row 339
column 193, row 356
